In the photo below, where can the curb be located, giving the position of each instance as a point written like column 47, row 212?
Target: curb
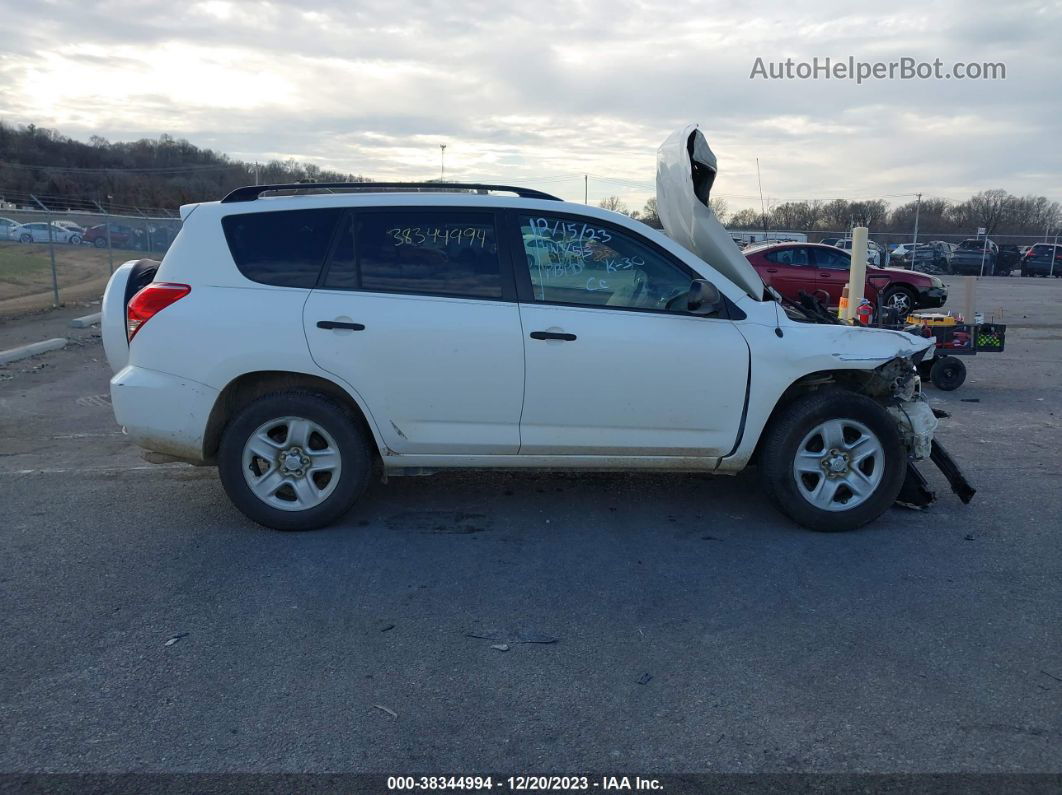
column 25, row 351
column 86, row 321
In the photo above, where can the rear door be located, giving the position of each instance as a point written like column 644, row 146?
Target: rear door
column 417, row 313
column 611, row 370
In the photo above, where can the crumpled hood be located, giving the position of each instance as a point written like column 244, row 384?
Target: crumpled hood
column 685, row 171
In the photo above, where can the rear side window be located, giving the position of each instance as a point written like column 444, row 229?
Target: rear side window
column 430, row 252
column 285, row 248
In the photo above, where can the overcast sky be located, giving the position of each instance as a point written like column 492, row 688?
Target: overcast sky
column 539, row 93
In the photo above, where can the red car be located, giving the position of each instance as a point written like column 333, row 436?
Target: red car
column 822, row 271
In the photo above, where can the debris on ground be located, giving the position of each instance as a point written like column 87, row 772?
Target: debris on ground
column 970, row 400
column 176, row 638
column 500, row 646
column 390, row 712
column 969, row 537
column 387, row 627
column 512, row 636
column 644, row 679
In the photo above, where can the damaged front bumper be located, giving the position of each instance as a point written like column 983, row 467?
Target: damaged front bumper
column 918, row 423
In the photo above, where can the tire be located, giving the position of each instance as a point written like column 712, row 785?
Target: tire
column 100, row 242
column 793, row 430
column 25, row 239
column 902, row 299
column 269, row 422
column 948, row 373
column 75, row 240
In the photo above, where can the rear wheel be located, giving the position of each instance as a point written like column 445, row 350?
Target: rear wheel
column 75, row 240
column 948, row 373
column 294, row 461
column 833, row 460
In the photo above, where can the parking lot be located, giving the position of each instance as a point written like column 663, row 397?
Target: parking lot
column 150, row 627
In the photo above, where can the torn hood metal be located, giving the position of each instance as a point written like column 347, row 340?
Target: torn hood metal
column 685, row 172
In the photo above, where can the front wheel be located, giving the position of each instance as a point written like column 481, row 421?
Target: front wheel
column 100, row 242
column 294, row 461
column 901, row 299
column 833, row 460
column 25, row 238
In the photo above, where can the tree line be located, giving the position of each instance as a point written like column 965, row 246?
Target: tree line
column 150, row 173
column 996, row 210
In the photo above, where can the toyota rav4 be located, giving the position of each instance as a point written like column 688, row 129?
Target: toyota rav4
column 302, row 341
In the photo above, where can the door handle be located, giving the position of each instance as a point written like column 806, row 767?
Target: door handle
column 824, row 276
column 334, row 324
column 552, row 335
column 772, row 270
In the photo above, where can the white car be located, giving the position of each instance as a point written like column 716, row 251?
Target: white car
column 303, row 343
column 38, row 232
column 7, row 228
column 874, row 252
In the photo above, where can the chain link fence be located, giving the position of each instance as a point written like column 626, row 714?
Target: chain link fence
column 50, row 257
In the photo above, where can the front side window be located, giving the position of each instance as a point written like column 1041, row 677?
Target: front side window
column 285, row 248
column 430, row 252
column 579, row 262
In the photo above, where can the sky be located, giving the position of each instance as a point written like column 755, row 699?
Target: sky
column 541, row 93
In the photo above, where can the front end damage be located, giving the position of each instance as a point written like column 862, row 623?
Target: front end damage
column 897, row 387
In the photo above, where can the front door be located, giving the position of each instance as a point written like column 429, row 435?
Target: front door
column 416, row 314
column 613, row 366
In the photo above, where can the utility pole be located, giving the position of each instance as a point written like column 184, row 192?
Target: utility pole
column 763, row 207
column 442, row 161
column 256, row 172
column 586, row 188
column 914, row 243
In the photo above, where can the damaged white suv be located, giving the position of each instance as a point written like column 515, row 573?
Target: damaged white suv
column 301, row 340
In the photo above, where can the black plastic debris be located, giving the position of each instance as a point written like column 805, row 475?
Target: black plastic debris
column 511, row 636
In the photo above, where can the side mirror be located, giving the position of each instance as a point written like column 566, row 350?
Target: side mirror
column 703, row 298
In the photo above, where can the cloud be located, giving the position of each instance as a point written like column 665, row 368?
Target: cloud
column 542, row 93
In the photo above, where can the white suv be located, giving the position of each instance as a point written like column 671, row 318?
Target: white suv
column 301, row 342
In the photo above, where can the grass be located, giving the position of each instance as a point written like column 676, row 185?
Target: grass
column 26, row 268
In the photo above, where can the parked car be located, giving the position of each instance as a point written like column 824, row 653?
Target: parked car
column 38, row 232
column 7, row 228
column 831, row 241
column 122, row 236
column 76, row 230
column 822, row 271
column 1043, row 259
column 411, row 331
column 1007, row 259
column 971, row 254
column 935, row 255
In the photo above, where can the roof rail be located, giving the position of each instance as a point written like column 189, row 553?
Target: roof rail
column 252, row 192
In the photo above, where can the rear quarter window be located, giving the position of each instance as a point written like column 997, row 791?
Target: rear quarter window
column 285, row 248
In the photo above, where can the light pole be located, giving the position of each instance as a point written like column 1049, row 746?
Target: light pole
column 442, row 161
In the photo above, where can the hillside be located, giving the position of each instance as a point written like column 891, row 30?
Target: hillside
column 160, row 173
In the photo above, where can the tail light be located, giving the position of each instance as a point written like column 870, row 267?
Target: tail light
column 149, row 301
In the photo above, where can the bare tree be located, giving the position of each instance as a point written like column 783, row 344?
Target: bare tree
column 615, row 204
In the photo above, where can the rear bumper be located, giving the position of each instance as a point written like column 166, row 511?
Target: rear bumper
column 161, row 412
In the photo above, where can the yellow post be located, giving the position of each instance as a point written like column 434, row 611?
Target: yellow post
column 857, row 275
